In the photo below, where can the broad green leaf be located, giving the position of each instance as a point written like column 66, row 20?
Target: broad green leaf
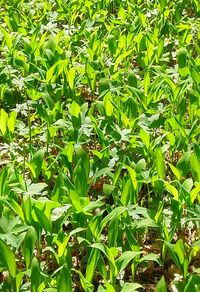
column 120, row 59
column 62, row 246
column 18, row 280
column 179, row 250
column 35, row 275
column 172, row 190
column 145, row 137
column 87, row 286
column 115, row 212
column 9, row 258
column 43, row 221
column 174, row 255
column 131, row 287
column 56, row 70
column 36, row 162
column 28, row 245
column 132, row 174
column 101, row 172
column 75, row 109
column 147, row 223
column 71, row 76
column 161, row 286
column 64, row 280
column 91, row 264
column 109, row 287
column 160, row 163
column 107, row 252
column 3, row 121
column 15, row 207
column 150, row 257
column 124, row 260
column 175, row 171
column 194, row 192
column 7, row 37
column 11, row 121
column 184, row 164
column 81, row 174
column 146, row 83
column 195, row 166
column 113, row 231
column 108, row 104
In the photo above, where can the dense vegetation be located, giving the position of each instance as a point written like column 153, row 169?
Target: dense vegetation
column 99, row 145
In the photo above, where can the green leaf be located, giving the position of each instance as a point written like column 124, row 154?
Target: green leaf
column 160, row 163
column 87, row 286
column 75, row 109
column 194, row 192
column 131, row 287
column 107, row 252
column 91, row 264
column 120, row 58
column 7, row 37
column 35, row 275
column 147, row 223
column 184, row 164
column 109, row 287
column 62, row 246
column 161, row 286
column 172, row 190
column 18, row 280
column 9, row 258
column 43, row 221
column 11, row 121
column 124, row 260
column 3, row 121
column 175, row 254
column 81, row 174
column 56, row 70
column 150, row 257
column 179, row 250
column 195, row 166
column 108, row 104
column 175, row 171
column 115, row 212
column 64, row 280
column 132, row 174
column 145, row 137
column 101, row 172
column 71, row 76
column 36, row 163
column 28, row 246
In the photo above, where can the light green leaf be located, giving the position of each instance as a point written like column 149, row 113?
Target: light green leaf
column 35, row 275
column 43, row 221
column 7, row 37
column 11, row 121
column 131, row 287
column 175, row 171
column 172, row 190
column 28, row 245
column 75, row 109
column 132, row 174
column 3, row 121
column 124, row 260
column 145, row 137
column 161, row 286
column 9, row 258
column 160, row 163
column 91, row 264
column 65, row 280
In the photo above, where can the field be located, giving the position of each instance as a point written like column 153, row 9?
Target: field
column 99, row 145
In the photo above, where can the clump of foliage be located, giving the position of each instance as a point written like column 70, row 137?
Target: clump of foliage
column 99, row 145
